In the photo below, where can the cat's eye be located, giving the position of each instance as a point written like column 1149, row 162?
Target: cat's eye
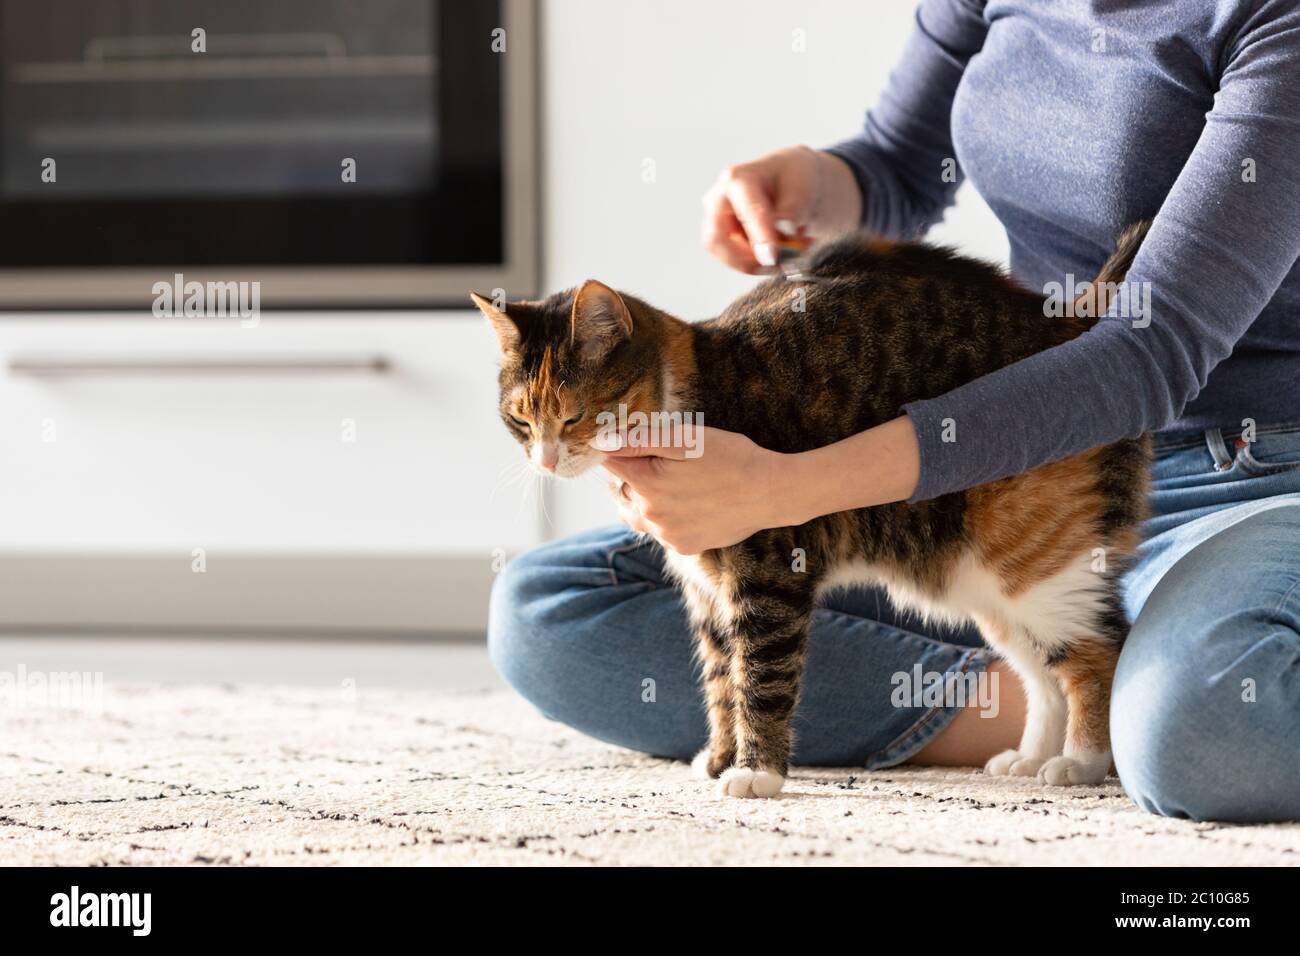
column 520, row 422
column 574, row 420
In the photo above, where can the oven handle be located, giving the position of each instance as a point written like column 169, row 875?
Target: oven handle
column 56, row 365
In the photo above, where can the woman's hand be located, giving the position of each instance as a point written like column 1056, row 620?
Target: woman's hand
column 727, row 493
column 798, row 187
column 734, row 488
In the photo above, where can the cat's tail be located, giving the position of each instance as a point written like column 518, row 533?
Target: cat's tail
column 1098, row 294
column 1126, row 248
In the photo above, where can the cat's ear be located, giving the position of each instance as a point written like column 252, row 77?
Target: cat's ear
column 600, row 320
column 505, row 325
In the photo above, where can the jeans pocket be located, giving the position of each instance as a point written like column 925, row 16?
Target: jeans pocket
column 1270, row 453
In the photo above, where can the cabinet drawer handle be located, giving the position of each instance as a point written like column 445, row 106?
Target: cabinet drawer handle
column 47, row 366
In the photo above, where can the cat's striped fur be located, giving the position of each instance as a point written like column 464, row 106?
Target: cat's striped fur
column 1034, row 559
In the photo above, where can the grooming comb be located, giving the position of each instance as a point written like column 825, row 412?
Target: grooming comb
column 789, row 253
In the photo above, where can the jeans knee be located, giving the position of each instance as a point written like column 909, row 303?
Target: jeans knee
column 544, row 620
column 1192, row 739
column 1155, row 753
column 606, row 651
column 516, row 626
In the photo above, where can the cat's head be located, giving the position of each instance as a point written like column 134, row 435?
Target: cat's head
column 567, row 359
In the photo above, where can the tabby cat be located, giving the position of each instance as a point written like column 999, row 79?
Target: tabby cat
column 1034, row 560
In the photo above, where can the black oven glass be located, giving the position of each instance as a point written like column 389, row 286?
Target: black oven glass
column 249, row 132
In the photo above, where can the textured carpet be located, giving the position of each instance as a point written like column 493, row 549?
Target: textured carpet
column 204, row 775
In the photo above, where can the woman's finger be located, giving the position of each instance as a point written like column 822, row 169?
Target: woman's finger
column 723, row 236
column 753, row 207
column 794, row 198
column 636, row 470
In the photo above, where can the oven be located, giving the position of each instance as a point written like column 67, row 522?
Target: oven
column 332, row 153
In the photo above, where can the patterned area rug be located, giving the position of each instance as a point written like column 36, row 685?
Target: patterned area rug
column 243, row 775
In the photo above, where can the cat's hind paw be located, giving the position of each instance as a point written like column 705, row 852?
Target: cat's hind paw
column 1012, row 763
column 1070, row 771
column 700, row 765
column 709, row 764
column 744, row 782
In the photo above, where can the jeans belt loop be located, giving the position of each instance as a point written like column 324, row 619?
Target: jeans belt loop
column 1218, row 449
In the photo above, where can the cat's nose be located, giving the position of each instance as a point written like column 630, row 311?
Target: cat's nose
column 548, row 456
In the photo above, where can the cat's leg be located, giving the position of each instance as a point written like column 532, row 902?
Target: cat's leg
column 720, row 752
column 1046, row 713
column 715, row 674
column 1086, row 670
column 1086, row 675
column 1071, row 630
column 769, row 623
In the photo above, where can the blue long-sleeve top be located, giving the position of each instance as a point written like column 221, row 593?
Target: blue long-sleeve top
column 1073, row 119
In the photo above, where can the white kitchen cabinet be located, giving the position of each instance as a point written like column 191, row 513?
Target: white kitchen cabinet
column 293, row 462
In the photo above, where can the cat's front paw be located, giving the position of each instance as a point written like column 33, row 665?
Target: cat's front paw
column 1068, row 771
column 744, row 782
column 1012, row 763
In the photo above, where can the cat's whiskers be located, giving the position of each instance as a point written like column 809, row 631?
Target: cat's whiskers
column 541, row 498
column 526, row 488
column 512, row 473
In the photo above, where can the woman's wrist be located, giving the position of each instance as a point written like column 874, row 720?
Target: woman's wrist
column 874, row 467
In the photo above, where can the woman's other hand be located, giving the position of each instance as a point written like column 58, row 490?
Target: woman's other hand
column 797, row 187
column 722, row 488
column 692, row 503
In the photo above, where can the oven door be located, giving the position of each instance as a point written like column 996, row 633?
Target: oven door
column 337, row 152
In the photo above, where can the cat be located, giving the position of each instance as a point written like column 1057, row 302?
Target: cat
column 1034, row 560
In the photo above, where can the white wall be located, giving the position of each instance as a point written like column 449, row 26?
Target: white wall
column 694, row 86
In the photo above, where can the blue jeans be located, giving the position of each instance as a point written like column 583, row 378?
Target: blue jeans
column 1205, row 715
